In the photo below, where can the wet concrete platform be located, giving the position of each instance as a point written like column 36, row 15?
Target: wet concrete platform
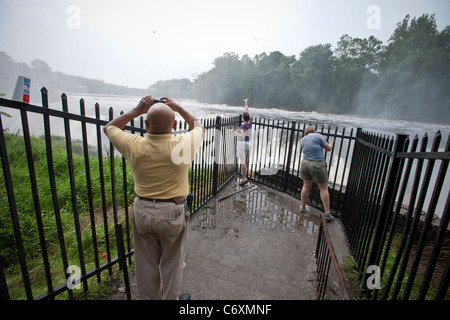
column 252, row 243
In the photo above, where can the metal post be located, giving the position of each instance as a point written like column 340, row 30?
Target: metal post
column 351, row 183
column 14, row 214
column 89, row 186
column 102, row 185
column 288, row 162
column 35, row 195
column 51, row 177
column 389, row 194
column 4, row 294
column 216, row 155
column 430, row 212
column 125, row 194
column 73, row 190
column 113, row 173
column 123, row 259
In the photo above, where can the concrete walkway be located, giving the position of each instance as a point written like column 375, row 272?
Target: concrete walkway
column 252, row 243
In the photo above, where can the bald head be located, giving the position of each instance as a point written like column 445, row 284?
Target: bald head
column 160, row 119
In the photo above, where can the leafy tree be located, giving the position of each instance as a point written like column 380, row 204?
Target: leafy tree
column 414, row 81
column 221, row 84
column 357, row 60
column 313, row 78
column 40, row 66
column 408, row 78
column 273, row 71
column 410, row 38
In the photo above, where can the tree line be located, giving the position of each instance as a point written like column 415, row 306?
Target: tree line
column 407, row 78
column 42, row 75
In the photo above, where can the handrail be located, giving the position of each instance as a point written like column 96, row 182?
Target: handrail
column 325, row 254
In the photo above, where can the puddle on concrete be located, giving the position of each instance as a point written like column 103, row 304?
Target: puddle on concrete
column 256, row 205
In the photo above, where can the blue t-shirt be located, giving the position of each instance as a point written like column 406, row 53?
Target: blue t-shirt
column 313, row 145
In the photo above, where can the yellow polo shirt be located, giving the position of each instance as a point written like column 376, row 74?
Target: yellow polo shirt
column 160, row 163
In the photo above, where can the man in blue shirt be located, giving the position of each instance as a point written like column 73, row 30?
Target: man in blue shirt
column 314, row 168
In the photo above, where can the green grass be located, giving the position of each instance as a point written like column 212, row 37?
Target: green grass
column 353, row 276
column 27, row 216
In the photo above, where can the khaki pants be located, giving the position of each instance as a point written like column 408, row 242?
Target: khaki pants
column 159, row 232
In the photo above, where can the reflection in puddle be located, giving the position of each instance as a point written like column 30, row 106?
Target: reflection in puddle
column 258, row 206
column 310, row 226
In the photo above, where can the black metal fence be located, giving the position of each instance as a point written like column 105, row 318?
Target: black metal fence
column 371, row 177
column 325, row 254
column 389, row 212
column 276, row 157
column 76, row 220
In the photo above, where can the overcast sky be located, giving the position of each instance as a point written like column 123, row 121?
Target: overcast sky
column 137, row 42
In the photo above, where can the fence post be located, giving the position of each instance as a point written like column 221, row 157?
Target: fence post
column 122, row 256
column 351, row 183
column 217, row 139
column 4, row 294
column 113, row 173
column 52, row 182
column 288, row 162
column 73, row 190
column 35, row 198
column 14, row 214
column 387, row 203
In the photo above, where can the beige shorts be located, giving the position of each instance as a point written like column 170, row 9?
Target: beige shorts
column 243, row 149
column 316, row 171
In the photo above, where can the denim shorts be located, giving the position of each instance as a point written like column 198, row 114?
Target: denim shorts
column 314, row 170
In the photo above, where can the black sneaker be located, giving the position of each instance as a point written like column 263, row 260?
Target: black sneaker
column 184, row 296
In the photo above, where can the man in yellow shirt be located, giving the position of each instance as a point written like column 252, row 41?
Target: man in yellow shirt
column 160, row 163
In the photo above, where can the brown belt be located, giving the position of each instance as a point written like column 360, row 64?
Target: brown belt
column 177, row 200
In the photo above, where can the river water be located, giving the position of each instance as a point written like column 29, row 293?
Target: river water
column 201, row 110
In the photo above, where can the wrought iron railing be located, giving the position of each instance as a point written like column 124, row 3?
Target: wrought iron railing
column 207, row 175
column 374, row 183
column 388, row 215
column 325, row 254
